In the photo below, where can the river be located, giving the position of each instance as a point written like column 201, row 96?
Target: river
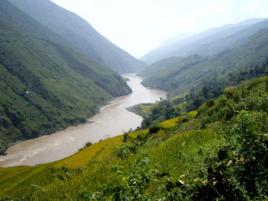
column 113, row 119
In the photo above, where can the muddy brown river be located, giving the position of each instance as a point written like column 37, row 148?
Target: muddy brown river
column 113, row 119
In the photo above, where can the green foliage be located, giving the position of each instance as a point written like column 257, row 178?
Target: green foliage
column 240, row 170
column 198, row 95
column 196, row 79
column 126, row 149
column 220, row 153
column 214, row 88
column 45, row 85
column 159, row 112
column 133, row 185
column 143, row 109
column 80, row 34
column 154, row 129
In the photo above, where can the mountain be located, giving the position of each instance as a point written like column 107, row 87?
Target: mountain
column 207, row 43
column 80, row 34
column 45, row 84
column 218, row 152
column 179, row 75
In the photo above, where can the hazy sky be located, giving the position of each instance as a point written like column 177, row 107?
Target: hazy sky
column 138, row 26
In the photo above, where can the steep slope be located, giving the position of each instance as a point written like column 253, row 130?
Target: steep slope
column 170, row 65
column 180, row 75
column 216, row 152
column 207, row 43
column 80, row 34
column 44, row 84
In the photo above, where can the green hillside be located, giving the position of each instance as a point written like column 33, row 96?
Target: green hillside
column 218, row 152
column 80, row 34
column 45, row 85
column 180, row 75
column 191, row 81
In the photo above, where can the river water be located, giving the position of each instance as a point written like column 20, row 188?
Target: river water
column 113, row 119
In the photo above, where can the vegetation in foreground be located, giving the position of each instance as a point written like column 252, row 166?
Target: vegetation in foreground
column 219, row 152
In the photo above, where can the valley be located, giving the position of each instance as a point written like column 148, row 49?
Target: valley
column 113, row 119
column 82, row 119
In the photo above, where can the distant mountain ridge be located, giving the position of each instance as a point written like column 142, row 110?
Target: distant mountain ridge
column 80, row 34
column 207, row 43
column 179, row 75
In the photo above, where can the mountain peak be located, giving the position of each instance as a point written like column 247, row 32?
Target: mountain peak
column 80, row 34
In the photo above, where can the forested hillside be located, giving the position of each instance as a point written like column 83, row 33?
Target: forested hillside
column 218, row 152
column 80, row 34
column 45, row 84
column 180, row 75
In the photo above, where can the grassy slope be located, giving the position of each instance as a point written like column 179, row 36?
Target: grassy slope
column 17, row 180
column 45, row 84
column 178, row 148
column 20, row 180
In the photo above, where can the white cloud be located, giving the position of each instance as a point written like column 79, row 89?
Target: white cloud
column 141, row 25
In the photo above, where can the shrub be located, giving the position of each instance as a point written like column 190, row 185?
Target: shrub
column 125, row 150
column 125, row 137
column 88, row 144
column 154, row 129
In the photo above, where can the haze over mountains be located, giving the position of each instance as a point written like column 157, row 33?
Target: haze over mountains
column 206, row 43
column 80, row 34
column 47, row 83
column 222, row 57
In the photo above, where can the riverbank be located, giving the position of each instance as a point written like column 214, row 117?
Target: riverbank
column 113, row 119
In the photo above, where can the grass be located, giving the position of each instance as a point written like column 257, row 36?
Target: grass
column 96, row 161
column 17, row 180
column 142, row 109
column 179, row 148
column 171, row 123
column 101, row 156
column 186, row 151
column 98, row 151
